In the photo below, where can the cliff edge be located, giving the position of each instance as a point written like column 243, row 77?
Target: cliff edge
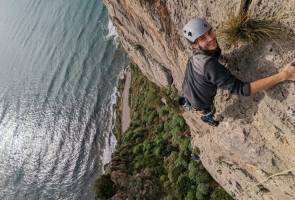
column 251, row 154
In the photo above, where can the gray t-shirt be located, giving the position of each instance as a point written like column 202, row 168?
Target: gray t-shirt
column 204, row 74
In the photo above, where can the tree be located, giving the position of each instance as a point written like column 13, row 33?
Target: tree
column 220, row 194
column 104, row 186
column 183, row 185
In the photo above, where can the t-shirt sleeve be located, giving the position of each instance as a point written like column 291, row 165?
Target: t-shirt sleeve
column 218, row 75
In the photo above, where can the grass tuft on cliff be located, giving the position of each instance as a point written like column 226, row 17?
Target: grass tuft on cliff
column 250, row 30
column 153, row 159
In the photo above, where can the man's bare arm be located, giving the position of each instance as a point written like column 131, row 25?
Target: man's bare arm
column 288, row 73
column 265, row 83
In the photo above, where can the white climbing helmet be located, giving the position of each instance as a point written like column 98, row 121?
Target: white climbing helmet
column 195, row 28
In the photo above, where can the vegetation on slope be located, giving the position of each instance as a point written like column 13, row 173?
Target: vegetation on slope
column 153, row 158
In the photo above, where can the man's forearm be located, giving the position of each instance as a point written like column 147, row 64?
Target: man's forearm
column 268, row 82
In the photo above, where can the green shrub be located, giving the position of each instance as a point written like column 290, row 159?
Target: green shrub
column 176, row 132
column 176, row 124
column 176, row 139
column 157, row 151
column 171, row 159
column 136, row 116
column 181, row 161
column 131, row 136
column 203, row 188
column 164, row 110
column 163, row 178
column 135, row 123
column 138, row 165
column 167, row 136
column 167, row 185
column 159, row 141
column 160, row 127
column 138, row 157
column 125, row 154
column 104, row 187
column 203, row 176
column 138, row 149
column 183, row 185
column 192, row 170
column 220, row 194
column 178, row 121
column 190, row 195
column 175, row 171
column 185, row 145
column 200, row 196
column 171, row 92
column 139, row 140
column 166, row 126
column 157, row 171
column 147, row 146
column 166, row 150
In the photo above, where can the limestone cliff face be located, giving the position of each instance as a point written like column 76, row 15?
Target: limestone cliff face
column 257, row 138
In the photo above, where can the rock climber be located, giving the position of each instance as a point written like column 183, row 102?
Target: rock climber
column 204, row 73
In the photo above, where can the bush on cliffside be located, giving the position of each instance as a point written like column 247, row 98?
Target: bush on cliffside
column 249, row 29
column 105, row 187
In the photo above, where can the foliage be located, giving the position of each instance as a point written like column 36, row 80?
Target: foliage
column 190, row 195
column 192, row 170
column 249, row 29
column 154, row 153
column 183, row 185
column 203, row 188
column 104, row 187
column 202, row 176
column 220, row 194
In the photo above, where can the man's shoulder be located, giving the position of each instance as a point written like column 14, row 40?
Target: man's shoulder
column 203, row 59
column 200, row 62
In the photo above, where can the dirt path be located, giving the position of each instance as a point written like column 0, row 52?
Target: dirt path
column 125, row 120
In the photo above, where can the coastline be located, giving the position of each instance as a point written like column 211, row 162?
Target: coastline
column 120, row 109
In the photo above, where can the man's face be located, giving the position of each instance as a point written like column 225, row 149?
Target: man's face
column 207, row 41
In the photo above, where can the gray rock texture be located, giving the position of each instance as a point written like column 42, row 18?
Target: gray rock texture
column 252, row 153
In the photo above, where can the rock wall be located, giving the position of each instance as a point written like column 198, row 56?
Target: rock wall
column 252, row 153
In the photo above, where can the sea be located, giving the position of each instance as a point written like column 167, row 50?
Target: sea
column 59, row 67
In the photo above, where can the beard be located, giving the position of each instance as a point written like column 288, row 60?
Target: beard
column 214, row 52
